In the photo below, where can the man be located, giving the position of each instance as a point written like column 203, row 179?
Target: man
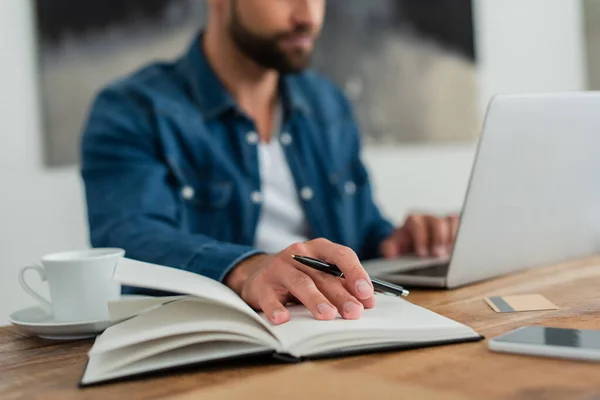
column 233, row 158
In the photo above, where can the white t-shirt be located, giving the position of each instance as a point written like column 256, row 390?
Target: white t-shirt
column 282, row 221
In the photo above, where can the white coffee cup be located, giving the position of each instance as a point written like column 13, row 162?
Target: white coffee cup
column 80, row 283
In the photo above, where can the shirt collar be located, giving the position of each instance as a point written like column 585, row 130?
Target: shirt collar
column 214, row 99
column 294, row 99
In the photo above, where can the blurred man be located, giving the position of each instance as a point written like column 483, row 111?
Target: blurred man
column 233, row 158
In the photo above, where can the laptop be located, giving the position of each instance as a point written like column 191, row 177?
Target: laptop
column 533, row 197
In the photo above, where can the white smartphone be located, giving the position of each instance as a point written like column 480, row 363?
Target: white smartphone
column 543, row 341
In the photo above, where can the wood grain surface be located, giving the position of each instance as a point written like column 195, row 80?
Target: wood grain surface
column 33, row 368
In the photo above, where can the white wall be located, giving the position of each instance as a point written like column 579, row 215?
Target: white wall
column 529, row 46
column 524, row 45
column 419, row 178
column 40, row 210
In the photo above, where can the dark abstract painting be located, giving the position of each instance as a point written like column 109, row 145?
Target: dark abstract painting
column 408, row 66
column 591, row 15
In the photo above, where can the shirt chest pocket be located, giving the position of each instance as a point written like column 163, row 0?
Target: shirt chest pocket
column 206, row 201
column 205, row 193
column 348, row 181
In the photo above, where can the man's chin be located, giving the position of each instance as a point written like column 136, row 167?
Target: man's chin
column 295, row 63
column 292, row 68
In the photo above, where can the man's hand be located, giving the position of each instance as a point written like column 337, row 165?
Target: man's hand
column 425, row 235
column 269, row 282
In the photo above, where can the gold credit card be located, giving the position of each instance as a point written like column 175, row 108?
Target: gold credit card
column 522, row 302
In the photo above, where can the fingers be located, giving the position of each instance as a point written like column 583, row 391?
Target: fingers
column 367, row 303
column 454, row 222
column 440, row 235
column 390, row 248
column 302, row 286
column 417, row 228
column 274, row 310
column 280, row 278
column 431, row 236
column 333, row 288
column 358, row 282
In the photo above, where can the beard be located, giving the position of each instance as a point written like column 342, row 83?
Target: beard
column 266, row 51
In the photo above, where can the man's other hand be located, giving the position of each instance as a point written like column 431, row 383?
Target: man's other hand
column 267, row 282
column 425, row 235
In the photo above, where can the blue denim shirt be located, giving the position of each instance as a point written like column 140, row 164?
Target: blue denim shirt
column 170, row 166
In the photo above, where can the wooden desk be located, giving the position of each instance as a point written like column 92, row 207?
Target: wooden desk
column 34, row 368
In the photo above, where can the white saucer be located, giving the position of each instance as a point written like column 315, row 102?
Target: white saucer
column 35, row 320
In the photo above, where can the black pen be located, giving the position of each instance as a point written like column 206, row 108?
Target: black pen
column 333, row 269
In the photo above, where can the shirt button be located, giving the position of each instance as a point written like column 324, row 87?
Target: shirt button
column 350, row 187
column 306, row 193
column 252, row 137
column 187, row 192
column 256, row 197
column 285, row 139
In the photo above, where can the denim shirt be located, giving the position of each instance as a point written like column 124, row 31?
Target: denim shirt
column 171, row 170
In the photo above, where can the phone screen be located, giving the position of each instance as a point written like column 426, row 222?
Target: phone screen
column 586, row 339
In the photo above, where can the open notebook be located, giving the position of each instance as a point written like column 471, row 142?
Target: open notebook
column 209, row 322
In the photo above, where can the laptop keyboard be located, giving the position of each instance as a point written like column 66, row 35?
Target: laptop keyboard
column 440, row 270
